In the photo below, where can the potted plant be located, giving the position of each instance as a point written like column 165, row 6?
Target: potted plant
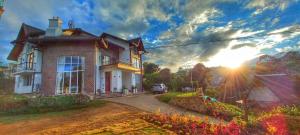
column 125, row 90
column 134, row 89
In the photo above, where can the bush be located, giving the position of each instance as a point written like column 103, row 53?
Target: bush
column 216, row 109
column 212, row 92
column 170, row 95
column 43, row 104
column 8, row 102
column 58, row 101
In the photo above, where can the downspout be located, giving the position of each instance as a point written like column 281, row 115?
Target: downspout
column 141, row 79
column 33, row 77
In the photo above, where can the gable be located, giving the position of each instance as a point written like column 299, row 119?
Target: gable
column 24, row 32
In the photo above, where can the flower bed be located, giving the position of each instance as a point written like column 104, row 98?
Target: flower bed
column 281, row 120
column 191, row 125
column 216, row 109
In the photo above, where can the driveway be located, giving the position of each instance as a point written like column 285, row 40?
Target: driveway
column 148, row 102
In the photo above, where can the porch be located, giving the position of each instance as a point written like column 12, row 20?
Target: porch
column 116, row 82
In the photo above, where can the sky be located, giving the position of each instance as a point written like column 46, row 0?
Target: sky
column 214, row 32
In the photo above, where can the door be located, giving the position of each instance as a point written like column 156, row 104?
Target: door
column 107, row 82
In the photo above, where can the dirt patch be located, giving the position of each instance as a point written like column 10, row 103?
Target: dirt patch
column 79, row 121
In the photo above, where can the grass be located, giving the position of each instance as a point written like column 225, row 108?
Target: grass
column 168, row 96
column 23, row 117
column 37, row 113
column 12, row 98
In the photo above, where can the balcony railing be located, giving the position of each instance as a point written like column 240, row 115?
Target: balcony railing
column 113, row 61
column 25, row 67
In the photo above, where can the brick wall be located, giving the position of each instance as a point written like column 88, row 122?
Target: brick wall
column 51, row 52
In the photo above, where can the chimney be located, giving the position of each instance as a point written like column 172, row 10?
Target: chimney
column 54, row 28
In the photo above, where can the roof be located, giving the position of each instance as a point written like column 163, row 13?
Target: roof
column 281, row 85
column 138, row 41
column 77, row 32
column 37, row 36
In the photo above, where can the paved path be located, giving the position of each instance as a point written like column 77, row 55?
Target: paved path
column 148, row 102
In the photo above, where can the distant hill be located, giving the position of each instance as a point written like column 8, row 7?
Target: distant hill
column 287, row 62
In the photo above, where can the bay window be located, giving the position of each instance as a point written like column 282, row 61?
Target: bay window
column 69, row 77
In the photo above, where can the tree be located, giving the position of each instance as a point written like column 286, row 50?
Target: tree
column 150, row 68
column 165, row 76
column 199, row 76
column 238, row 85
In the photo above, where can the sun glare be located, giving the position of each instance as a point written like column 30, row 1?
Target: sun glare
column 232, row 58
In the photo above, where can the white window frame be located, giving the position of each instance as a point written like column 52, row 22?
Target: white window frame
column 60, row 90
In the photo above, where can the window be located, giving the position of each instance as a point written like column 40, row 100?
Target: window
column 106, row 60
column 27, row 80
column 29, row 63
column 69, row 78
column 136, row 63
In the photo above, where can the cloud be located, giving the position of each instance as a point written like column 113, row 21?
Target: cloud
column 130, row 17
column 262, row 5
column 288, row 48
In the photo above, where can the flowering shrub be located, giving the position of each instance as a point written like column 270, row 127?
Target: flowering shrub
column 216, row 109
column 222, row 110
column 281, row 120
column 192, row 125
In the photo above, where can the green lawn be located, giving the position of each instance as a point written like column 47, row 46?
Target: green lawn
column 14, row 108
column 168, row 96
column 9, row 119
column 11, row 98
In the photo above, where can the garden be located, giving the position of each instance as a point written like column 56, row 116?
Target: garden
column 279, row 120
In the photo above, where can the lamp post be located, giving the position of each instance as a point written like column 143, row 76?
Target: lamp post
column 190, row 66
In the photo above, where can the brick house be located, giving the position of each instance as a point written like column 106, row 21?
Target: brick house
column 71, row 61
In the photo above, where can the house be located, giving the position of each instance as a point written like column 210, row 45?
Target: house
column 267, row 90
column 274, row 89
column 71, row 61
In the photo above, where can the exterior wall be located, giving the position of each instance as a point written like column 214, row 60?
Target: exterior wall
column 36, row 80
column 19, row 85
column 124, row 55
column 138, row 81
column 127, row 80
column 52, row 52
column 116, row 83
column 133, row 79
column 98, row 72
column 116, row 80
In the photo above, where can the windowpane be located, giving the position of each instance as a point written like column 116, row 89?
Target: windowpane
column 68, row 59
column 67, row 67
column 74, row 67
column 69, row 74
column 80, row 67
column 59, row 82
column 61, row 68
column 74, row 82
column 75, row 59
column 80, row 78
column 66, row 82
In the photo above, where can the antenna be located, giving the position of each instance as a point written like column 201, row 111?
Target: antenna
column 1, row 7
column 71, row 24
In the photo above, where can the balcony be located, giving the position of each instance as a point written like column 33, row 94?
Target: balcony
column 115, row 63
column 25, row 68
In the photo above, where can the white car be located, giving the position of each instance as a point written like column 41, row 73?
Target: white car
column 159, row 88
column 187, row 89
